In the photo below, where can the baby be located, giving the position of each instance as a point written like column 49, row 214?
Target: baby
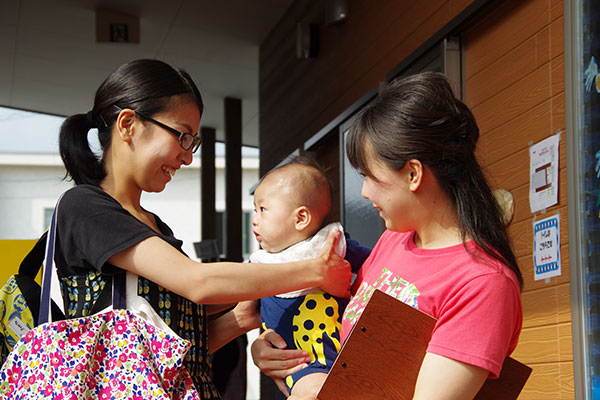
column 291, row 203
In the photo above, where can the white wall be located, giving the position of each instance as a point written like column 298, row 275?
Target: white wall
column 24, row 193
column 31, row 183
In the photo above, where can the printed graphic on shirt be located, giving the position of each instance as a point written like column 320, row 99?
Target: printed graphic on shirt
column 388, row 283
column 311, row 322
column 316, row 318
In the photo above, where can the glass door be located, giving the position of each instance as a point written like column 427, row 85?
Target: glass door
column 582, row 57
column 360, row 219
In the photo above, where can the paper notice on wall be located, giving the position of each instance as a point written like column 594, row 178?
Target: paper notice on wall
column 546, row 247
column 543, row 182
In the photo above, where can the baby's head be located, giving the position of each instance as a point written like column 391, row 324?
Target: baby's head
column 290, row 203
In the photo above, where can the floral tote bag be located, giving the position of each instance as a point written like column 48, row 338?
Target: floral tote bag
column 111, row 355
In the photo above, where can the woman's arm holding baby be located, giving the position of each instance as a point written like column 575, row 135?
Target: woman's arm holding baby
column 242, row 318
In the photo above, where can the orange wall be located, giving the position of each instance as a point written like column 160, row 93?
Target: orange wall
column 514, row 68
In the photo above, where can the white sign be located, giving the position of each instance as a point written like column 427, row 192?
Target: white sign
column 543, row 182
column 546, row 247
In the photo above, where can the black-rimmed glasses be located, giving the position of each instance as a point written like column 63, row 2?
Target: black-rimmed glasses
column 187, row 141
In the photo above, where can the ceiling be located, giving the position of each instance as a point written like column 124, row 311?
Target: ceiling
column 50, row 60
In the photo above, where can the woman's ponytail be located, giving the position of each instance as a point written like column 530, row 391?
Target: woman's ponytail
column 83, row 166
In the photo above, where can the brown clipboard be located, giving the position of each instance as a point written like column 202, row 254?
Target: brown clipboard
column 382, row 356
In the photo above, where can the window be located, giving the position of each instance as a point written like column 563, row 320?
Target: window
column 358, row 215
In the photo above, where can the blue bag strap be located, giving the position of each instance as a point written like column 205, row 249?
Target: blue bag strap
column 119, row 291
column 44, row 314
column 119, row 281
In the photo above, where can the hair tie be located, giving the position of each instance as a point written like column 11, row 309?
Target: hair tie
column 90, row 120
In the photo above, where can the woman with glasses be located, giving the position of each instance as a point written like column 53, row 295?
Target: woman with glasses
column 147, row 114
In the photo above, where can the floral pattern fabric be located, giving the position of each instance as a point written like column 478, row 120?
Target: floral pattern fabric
column 188, row 320
column 113, row 355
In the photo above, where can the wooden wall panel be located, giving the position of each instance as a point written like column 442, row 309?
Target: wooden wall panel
column 299, row 97
column 535, row 342
column 565, row 342
column 508, row 104
column 557, row 8
column 534, row 345
column 523, row 60
column 533, row 124
column 540, row 307
column 514, row 69
column 566, row 381
column 506, row 29
column 544, row 383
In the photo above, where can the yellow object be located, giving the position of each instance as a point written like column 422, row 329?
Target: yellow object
column 13, row 252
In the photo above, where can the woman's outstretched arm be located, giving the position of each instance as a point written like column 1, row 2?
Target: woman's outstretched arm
column 228, row 282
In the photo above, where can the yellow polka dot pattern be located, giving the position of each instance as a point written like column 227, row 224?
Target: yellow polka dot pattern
column 318, row 317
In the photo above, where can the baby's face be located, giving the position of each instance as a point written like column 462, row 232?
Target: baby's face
column 274, row 217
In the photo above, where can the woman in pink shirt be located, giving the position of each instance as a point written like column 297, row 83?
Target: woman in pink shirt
column 445, row 251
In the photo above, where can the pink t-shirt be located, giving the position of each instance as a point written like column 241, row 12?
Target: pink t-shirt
column 476, row 300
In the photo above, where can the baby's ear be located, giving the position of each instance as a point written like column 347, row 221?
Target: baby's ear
column 303, row 218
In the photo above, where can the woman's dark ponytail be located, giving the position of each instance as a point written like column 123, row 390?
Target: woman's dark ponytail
column 82, row 165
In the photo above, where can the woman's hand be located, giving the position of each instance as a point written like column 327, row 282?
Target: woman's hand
column 269, row 353
column 336, row 271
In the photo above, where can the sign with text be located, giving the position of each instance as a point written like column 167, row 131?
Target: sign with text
column 543, row 182
column 546, row 247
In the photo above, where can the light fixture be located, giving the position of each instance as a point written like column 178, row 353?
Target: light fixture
column 336, row 12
